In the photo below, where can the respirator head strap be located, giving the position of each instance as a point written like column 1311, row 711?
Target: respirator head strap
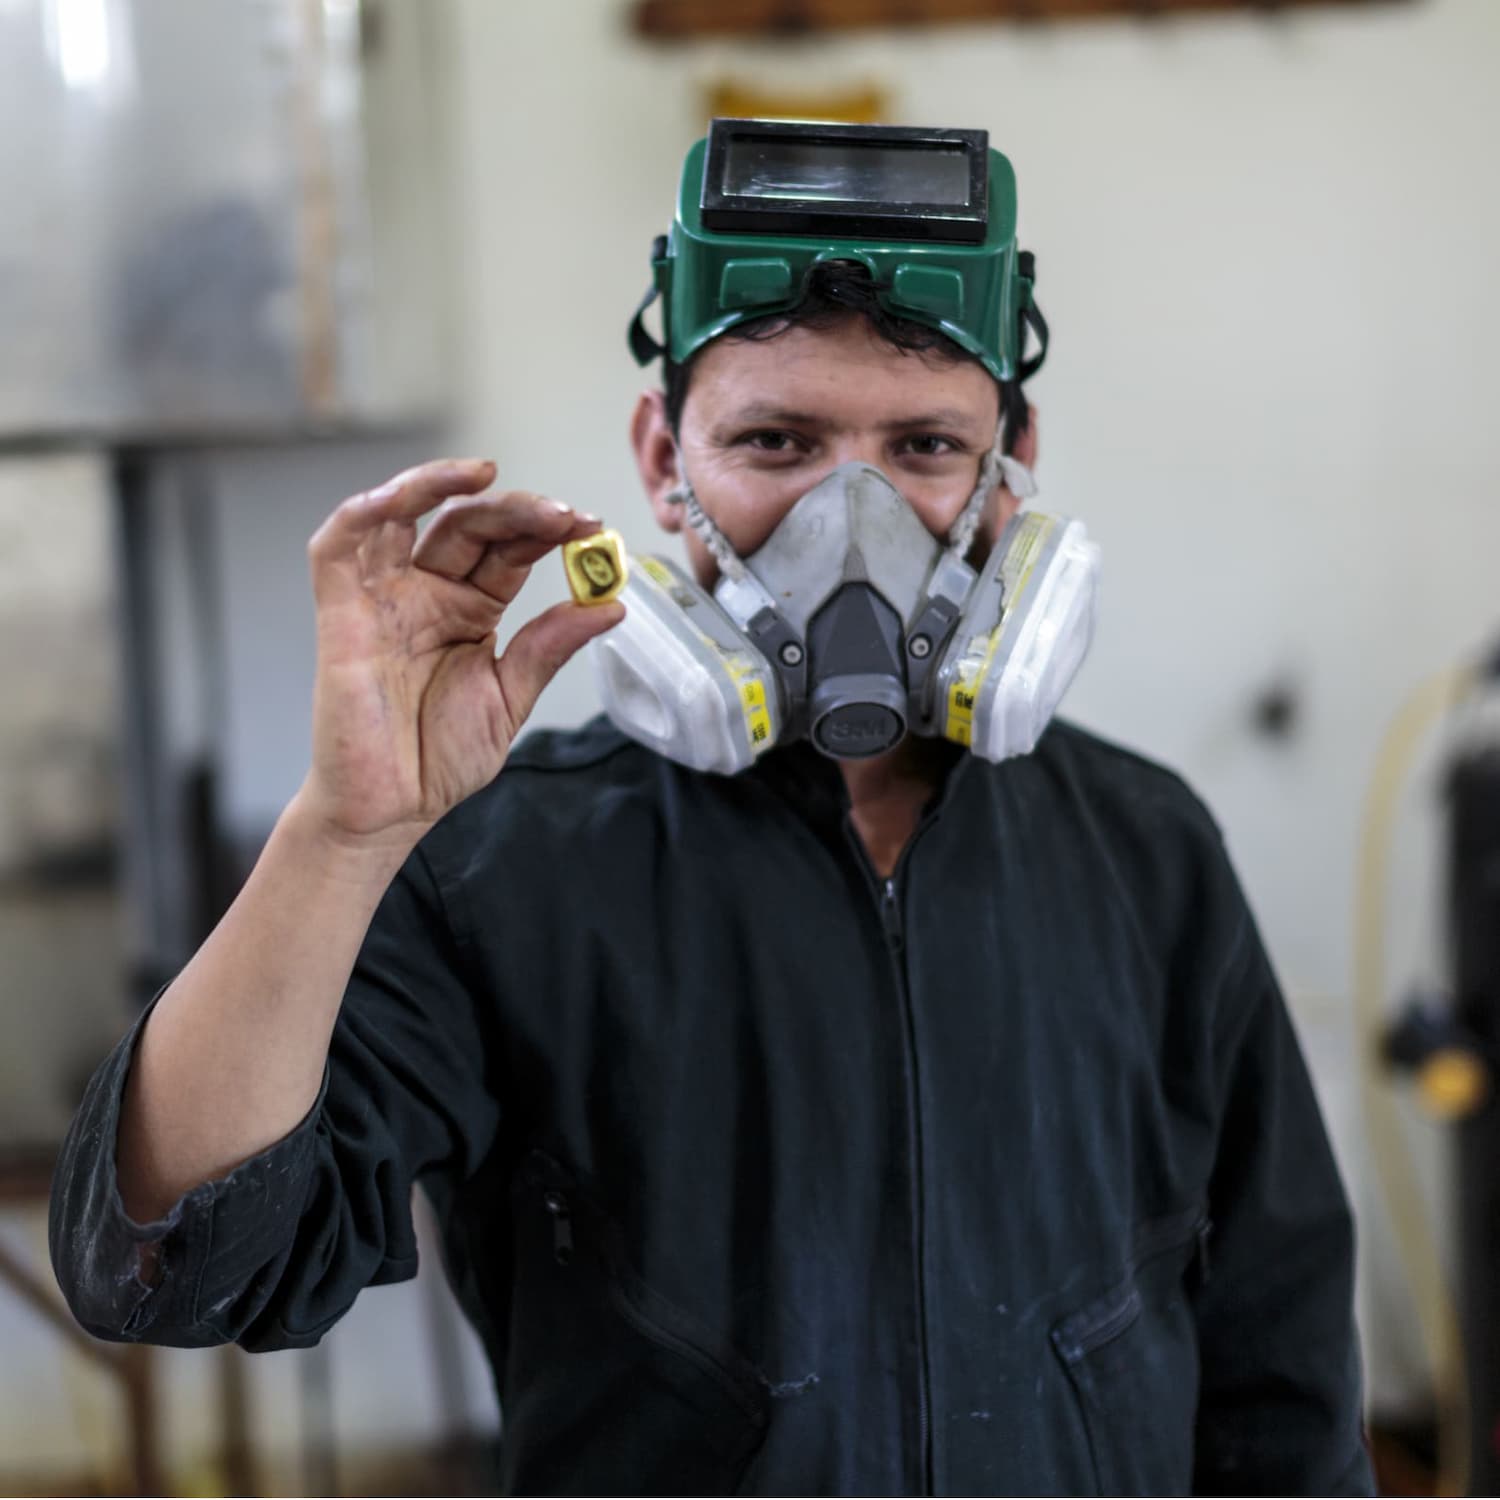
column 720, row 548
column 996, row 466
column 997, row 463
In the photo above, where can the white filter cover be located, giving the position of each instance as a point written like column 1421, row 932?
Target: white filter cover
column 1043, row 644
column 666, row 682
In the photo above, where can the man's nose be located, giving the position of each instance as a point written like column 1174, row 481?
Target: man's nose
column 858, row 448
column 854, row 449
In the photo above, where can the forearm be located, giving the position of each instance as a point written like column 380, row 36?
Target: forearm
column 233, row 1055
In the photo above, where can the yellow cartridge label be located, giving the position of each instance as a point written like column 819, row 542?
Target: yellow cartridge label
column 752, row 701
column 961, row 705
column 974, row 665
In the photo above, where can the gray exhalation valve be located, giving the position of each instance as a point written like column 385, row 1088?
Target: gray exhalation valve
column 858, row 705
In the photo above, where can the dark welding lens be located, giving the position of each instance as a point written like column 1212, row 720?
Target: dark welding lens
column 848, row 172
column 890, row 182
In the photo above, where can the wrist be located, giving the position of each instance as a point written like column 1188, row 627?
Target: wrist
column 357, row 857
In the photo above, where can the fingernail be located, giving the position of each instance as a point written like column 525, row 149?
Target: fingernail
column 587, row 515
column 384, row 491
column 560, row 508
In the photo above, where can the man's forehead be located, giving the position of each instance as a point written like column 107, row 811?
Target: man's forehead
column 839, row 374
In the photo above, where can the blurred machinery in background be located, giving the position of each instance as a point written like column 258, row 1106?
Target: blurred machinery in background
column 217, row 219
column 1450, row 1046
column 1474, row 811
column 217, row 230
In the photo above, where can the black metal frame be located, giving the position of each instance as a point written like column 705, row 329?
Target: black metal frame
column 1474, row 906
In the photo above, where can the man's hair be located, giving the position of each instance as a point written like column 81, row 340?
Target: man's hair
column 835, row 291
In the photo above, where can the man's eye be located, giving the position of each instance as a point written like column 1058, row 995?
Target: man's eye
column 930, row 445
column 770, row 442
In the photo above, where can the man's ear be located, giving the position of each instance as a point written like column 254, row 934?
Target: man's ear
column 656, row 457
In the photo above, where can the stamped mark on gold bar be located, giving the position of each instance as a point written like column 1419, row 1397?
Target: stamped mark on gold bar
column 596, row 567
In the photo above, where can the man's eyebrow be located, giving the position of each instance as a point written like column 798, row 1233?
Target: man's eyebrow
column 941, row 416
column 769, row 414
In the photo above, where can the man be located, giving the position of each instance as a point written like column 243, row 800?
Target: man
column 921, row 1122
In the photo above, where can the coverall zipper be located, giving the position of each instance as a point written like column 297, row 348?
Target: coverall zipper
column 888, row 903
column 895, row 937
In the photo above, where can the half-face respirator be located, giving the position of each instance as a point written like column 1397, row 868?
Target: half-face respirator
column 853, row 626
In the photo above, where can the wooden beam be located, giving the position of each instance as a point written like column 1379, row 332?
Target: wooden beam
column 677, row 20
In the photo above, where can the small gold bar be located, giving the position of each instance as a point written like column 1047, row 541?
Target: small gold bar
column 596, row 567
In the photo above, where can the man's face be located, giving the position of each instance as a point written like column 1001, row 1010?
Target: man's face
column 766, row 419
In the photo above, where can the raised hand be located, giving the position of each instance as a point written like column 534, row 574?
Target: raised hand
column 412, row 710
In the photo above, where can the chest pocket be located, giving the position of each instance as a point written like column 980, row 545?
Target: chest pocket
column 1131, row 1356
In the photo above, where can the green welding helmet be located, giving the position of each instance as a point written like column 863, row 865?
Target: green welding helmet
column 931, row 214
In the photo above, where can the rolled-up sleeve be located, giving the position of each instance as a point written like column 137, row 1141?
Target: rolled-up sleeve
column 274, row 1252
